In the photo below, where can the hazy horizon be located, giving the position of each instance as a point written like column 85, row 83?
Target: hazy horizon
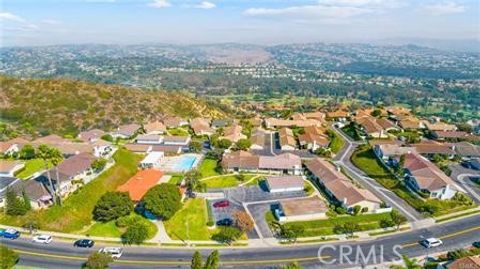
column 190, row 22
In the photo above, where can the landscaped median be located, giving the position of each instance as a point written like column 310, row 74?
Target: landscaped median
column 364, row 158
column 325, row 227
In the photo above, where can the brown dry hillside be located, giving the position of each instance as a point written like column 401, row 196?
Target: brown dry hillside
column 68, row 106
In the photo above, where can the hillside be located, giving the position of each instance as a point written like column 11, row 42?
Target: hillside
column 68, row 106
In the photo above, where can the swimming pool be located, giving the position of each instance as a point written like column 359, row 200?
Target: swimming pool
column 184, row 163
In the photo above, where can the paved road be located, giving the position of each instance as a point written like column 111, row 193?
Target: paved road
column 462, row 176
column 343, row 159
column 457, row 234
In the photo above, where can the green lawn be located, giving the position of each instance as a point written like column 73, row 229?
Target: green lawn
column 109, row 229
column 326, row 226
column 176, row 179
column 351, row 132
column 226, row 181
column 194, row 215
column 76, row 210
column 31, row 167
column 208, row 168
column 336, row 142
column 364, row 158
column 180, row 131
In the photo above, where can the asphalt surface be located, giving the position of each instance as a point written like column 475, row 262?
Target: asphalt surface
column 456, row 234
column 343, row 159
column 463, row 176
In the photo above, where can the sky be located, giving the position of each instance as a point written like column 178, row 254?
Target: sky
column 49, row 22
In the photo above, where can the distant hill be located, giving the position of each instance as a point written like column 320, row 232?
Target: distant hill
column 67, row 106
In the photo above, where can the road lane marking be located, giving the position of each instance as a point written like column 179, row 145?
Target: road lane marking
column 270, row 261
column 444, row 236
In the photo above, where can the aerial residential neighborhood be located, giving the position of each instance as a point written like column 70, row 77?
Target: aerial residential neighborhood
column 209, row 134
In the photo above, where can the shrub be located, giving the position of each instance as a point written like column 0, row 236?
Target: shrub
column 112, row 205
column 135, row 234
column 163, row 200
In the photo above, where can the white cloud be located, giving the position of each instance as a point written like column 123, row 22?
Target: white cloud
column 205, row 5
column 444, row 8
column 7, row 16
column 160, row 4
column 50, row 21
column 327, row 10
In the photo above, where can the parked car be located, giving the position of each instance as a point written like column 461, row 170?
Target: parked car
column 223, row 203
column 42, row 238
column 114, row 252
column 10, row 233
column 476, row 244
column 84, row 243
column 431, row 242
column 225, row 222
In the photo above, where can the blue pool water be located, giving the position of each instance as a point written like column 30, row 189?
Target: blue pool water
column 185, row 163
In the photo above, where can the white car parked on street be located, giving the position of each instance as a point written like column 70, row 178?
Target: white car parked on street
column 42, row 238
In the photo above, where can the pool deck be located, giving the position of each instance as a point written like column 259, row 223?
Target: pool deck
column 169, row 163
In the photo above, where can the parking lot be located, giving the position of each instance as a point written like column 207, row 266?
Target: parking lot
column 259, row 201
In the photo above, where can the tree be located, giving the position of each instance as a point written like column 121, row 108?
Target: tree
column 409, row 264
column 291, row 232
column 227, row 235
column 99, row 164
column 98, row 260
column 8, row 258
column 112, row 205
column 107, row 137
column 376, row 113
column 135, row 234
column 192, row 180
column 14, row 205
column 347, row 228
column 356, row 209
column 195, row 146
column 196, row 261
column 26, row 201
column 163, row 200
column 397, row 218
column 223, row 143
column 293, row 265
column 213, row 260
column 243, row 221
column 27, row 152
column 243, row 144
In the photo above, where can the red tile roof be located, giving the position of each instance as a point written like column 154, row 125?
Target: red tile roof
column 140, row 183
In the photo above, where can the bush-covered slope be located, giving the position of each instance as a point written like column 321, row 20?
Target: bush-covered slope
column 67, row 106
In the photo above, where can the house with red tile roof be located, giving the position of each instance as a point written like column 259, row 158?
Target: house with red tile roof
column 233, row 133
column 313, row 138
column 201, row 126
column 90, row 135
column 423, row 176
column 155, row 127
column 287, row 139
column 140, row 183
column 238, row 161
column 340, row 188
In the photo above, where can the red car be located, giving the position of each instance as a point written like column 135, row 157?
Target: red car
column 223, row 203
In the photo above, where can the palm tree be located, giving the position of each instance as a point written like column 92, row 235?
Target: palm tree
column 408, row 264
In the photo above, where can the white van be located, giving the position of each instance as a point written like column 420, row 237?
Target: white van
column 114, row 252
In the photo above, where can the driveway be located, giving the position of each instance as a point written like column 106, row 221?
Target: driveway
column 371, row 184
column 463, row 176
column 258, row 212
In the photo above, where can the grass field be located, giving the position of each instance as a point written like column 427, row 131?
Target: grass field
column 76, row 210
column 326, row 226
column 194, row 215
column 176, row 179
column 208, row 168
column 180, row 131
column 226, row 181
column 109, row 229
column 365, row 159
column 336, row 142
column 351, row 132
column 31, row 167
